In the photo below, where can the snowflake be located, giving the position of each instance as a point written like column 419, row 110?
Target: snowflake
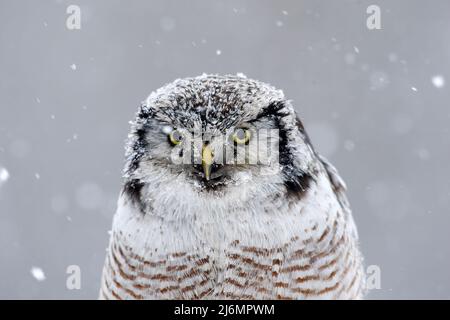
column 4, row 175
column 37, row 273
column 438, row 81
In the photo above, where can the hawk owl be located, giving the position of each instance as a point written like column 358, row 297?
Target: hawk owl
column 224, row 197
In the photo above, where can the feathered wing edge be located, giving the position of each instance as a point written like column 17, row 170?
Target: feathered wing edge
column 340, row 189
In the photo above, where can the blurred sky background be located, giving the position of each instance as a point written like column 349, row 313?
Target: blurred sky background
column 375, row 102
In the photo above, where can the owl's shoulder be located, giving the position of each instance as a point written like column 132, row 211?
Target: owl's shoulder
column 340, row 190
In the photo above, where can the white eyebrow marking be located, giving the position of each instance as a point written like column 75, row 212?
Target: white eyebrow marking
column 167, row 129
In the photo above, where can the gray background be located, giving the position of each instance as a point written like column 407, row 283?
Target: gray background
column 62, row 130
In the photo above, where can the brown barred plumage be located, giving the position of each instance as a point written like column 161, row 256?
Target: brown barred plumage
column 324, row 263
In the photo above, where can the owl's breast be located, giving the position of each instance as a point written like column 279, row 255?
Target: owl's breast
column 278, row 249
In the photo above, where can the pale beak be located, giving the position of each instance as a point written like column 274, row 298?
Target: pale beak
column 207, row 161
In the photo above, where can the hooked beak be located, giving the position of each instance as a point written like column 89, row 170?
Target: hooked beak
column 207, row 161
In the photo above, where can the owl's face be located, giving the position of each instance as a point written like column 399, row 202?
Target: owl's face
column 212, row 157
column 217, row 135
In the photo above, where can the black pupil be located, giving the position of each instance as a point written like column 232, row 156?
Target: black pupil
column 177, row 136
column 240, row 134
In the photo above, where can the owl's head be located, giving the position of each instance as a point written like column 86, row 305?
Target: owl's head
column 216, row 136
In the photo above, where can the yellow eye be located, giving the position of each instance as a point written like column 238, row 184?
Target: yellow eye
column 241, row 136
column 175, row 137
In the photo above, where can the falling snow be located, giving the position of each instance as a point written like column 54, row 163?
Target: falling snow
column 379, row 80
column 349, row 145
column 37, row 273
column 354, row 129
column 438, row 81
column 4, row 175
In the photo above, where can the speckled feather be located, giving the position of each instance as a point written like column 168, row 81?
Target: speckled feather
column 285, row 235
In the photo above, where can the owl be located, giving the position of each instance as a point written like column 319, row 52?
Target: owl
column 224, row 197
